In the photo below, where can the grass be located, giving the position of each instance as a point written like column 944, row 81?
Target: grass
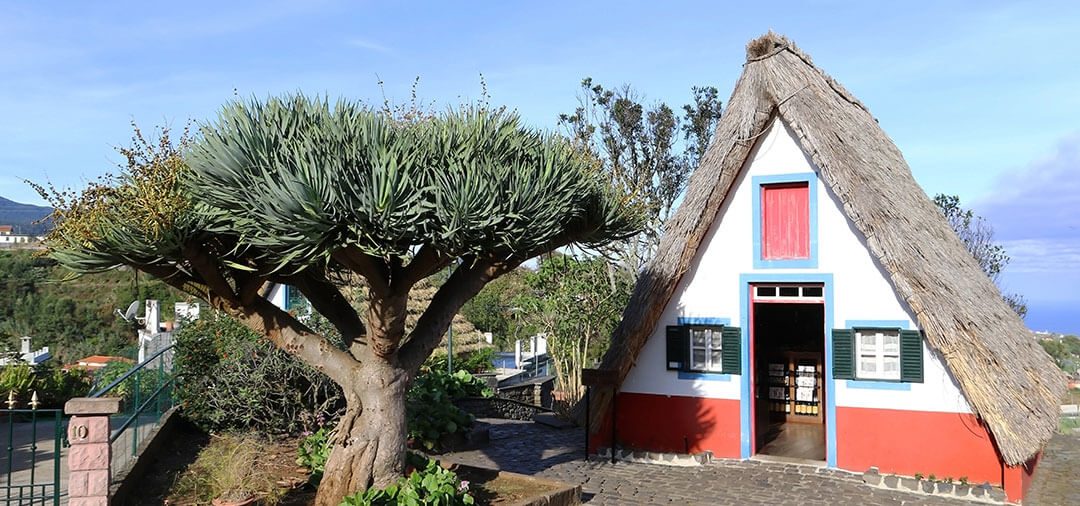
column 231, row 467
column 1069, row 424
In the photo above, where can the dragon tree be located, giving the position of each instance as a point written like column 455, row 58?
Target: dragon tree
column 299, row 191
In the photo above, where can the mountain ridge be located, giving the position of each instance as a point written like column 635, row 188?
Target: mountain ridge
column 24, row 218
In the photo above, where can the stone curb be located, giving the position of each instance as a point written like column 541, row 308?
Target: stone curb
column 667, row 459
column 984, row 493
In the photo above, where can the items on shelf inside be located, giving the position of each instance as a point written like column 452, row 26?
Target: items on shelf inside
column 794, row 386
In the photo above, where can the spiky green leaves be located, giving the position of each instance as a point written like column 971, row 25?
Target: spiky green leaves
column 298, row 178
column 138, row 217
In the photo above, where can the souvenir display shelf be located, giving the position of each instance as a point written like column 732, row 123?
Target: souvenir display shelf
column 793, row 387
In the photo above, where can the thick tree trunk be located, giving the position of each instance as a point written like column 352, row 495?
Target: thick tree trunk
column 369, row 449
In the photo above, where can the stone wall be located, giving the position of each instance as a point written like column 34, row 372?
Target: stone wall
column 497, row 407
column 536, row 391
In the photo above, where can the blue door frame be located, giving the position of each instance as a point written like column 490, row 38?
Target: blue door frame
column 745, row 305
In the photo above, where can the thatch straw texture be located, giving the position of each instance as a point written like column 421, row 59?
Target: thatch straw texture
column 466, row 337
column 1010, row 383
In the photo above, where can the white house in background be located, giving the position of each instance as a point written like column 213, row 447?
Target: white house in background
column 8, row 236
column 185, row 312
column 32, row 357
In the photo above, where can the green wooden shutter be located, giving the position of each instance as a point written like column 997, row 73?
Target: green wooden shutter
column 678, row 347
column 731, row 350
column 911, row 356
column 843, row 353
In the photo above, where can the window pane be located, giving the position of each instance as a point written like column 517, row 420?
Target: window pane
column 867, row 343
column 891, row 342
column 867, row 365
column 891, row 368
column 698, row 360
column 811, row 291
column 766, row 291
column 789, row 291
column 698, row 338
column 715, row 360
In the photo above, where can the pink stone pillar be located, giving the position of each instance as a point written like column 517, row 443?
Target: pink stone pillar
column 90, row 456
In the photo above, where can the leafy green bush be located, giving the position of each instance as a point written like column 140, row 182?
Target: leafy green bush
column 230, row 378
column 429, row 405
column 429, row 484
column 313, row 451
column 54, row 386
column 148, row 378
column 477, row 361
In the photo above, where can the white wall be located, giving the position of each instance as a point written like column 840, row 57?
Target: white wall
column 861, row 289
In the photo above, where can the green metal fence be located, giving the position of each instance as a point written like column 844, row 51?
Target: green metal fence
column 32, row 469
column 147, row 393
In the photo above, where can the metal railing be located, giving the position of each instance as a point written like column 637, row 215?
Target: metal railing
column 147, row 393
column 27, row 487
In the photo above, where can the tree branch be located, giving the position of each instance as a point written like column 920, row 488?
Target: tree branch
column 292, row 336
column 373, row 269
column 249, row 287
column 463, row 284
column 426, row 262
column 328, row 300
column 175, row 278
column 211, row 274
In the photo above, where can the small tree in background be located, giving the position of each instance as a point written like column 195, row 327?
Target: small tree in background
column 296, row 191
column 978, row 237
column 577, row 303
column 648, row 152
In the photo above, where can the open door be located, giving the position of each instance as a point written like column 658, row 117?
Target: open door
column 789, row 371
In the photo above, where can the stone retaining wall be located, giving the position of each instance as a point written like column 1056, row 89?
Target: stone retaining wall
column 537, row 391
column 497, row 407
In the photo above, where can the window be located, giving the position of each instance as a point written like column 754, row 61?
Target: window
column 769, row 293
column 878, row 354
column 785, row 221
column 705, row 349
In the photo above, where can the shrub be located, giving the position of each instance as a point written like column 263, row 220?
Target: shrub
column 230, row 378
column 148, row 379
column 477, row 361
column 429, row 405
column 54, row 386
column 313, row 451
column 429, row 484
column 231, row 467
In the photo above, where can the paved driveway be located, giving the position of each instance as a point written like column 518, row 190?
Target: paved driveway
column 530, row 448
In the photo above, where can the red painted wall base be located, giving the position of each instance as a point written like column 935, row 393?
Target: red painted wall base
column 946, row 445
column 673, row 424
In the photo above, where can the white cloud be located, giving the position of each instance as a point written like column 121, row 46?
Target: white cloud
column 1042, row 255
column 369, row 45
column 1040, row 201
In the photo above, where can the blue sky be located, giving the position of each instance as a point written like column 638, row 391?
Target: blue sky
column 982, row 97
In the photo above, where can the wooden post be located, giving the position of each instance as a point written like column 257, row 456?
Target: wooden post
column 90, row 457
column 600, row 378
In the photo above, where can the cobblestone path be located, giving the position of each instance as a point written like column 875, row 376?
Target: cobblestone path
column 534, row 449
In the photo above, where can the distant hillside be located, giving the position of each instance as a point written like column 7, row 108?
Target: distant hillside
column 23, row 217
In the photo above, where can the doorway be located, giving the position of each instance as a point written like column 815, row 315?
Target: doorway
column 788, row 325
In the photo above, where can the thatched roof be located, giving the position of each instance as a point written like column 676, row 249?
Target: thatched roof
column 466, row 337
column 1010, row 383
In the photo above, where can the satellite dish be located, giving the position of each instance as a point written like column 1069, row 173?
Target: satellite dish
column 129, row 315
